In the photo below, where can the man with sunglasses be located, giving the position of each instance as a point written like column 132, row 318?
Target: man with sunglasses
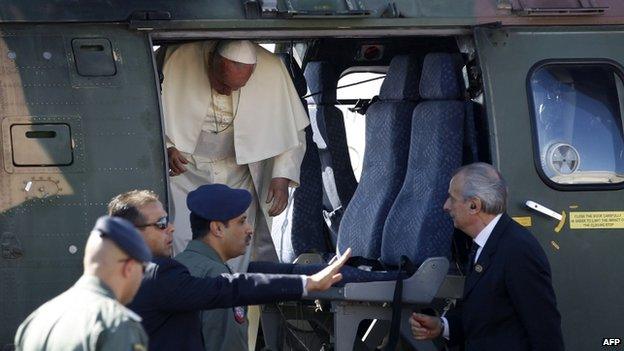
column 90, row 315
column 170, row 299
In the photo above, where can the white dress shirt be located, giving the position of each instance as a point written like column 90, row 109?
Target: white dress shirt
column 480, row 240
column 484, row 235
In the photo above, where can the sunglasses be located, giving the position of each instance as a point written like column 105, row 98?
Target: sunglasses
column 161, row 223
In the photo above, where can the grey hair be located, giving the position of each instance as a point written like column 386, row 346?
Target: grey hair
column 483, row 181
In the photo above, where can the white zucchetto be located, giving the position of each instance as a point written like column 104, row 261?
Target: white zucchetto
column 242, row 51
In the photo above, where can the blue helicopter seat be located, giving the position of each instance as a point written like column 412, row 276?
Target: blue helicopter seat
column 327, row 122
column 322, row 78
column 417, row 226
column 388, row 123
column 307, row 232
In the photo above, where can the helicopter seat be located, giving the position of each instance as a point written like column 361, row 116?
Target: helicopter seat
column 327, row 121
column 322, row 77
column 417, row 226
column 388, row 122
column 383, row 205
column 306, row 230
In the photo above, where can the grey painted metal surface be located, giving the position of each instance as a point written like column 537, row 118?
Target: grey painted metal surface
column 348, row 315
column 452, row 287
column 420, row 288
column 585, row 262
column 225, row 14
column 115, row 129
column 47, row 208
column 359, row 301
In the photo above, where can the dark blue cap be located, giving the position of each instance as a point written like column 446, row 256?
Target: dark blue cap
column 218, row 202
column 125, row 235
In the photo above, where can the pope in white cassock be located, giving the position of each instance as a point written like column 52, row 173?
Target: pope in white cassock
column 232, row 116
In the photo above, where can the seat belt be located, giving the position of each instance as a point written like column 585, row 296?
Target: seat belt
column 471, row 153
column 405, row 270
column 332, row 206
column 360, row 261
column 395, row 324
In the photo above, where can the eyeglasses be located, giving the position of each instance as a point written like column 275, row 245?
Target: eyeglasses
column 161, row 223
column 143, row 264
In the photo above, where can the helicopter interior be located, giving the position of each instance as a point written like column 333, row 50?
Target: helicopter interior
column 391, row 119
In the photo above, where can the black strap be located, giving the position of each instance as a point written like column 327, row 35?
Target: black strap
column 471, row 153
column 332, row 220
column 332, row 206
column 362, row 105
column 395, row 324
column 357, row 261
column 331, row 200
column 159, row 56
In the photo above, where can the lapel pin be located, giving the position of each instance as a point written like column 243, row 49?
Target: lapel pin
column 478, row 268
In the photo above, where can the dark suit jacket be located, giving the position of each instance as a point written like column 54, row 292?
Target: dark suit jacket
column 510, row 305
column 170, row 299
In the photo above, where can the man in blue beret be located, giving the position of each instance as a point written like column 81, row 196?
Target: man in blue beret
column 90, row 315
column 220, row 232
column 170, row 298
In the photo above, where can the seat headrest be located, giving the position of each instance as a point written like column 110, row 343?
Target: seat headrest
column 441, row 77
column 401, row 82
column 322, row 78
column 295, row 73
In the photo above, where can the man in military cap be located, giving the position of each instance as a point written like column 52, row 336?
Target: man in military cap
column 90, row 315
column 169, row 299
column 220, row 232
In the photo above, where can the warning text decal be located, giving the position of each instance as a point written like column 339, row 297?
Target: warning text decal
column 597, row 220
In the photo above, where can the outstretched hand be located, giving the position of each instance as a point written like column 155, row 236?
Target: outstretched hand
column 425, row 327
column 329, row 276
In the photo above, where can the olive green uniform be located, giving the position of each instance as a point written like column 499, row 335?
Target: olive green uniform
column 223, row 329
column 85, row 317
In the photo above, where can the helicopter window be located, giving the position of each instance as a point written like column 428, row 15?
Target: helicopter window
column 365, row 86
column 359, row 85
column 269, row 46
column 577, row 111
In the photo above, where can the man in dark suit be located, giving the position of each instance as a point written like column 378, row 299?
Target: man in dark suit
column 170, row 299
column 509, row 303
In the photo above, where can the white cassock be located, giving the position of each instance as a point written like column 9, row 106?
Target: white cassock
column 243, row 140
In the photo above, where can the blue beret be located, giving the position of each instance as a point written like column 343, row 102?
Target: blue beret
column 125, row 235
column 218, row 202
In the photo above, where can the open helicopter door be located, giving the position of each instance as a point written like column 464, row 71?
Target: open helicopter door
column 80, row 119
column 555, row 98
